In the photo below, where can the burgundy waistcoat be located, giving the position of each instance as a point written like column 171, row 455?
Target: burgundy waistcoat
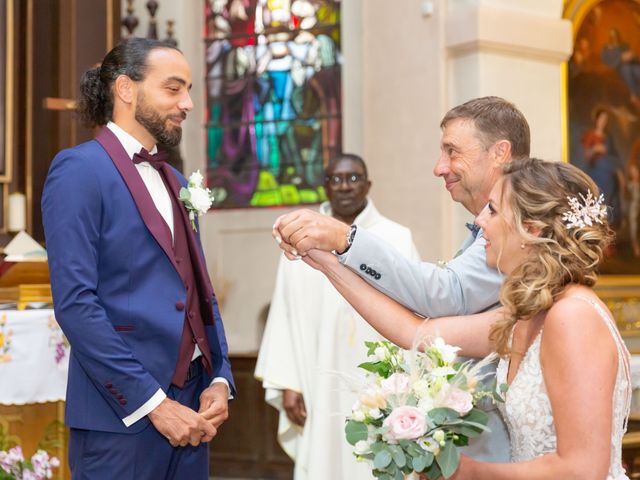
column 193, row 332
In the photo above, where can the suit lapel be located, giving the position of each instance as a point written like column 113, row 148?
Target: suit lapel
column 147, row 209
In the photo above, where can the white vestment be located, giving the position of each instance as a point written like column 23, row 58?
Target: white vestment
column 312, row 341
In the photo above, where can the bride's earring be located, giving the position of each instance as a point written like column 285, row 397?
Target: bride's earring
column 522, row 246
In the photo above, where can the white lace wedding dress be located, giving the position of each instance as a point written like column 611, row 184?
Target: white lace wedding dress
column 527, row 409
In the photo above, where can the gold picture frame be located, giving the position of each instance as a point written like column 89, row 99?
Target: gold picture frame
column 592, row 26
column 620, row 294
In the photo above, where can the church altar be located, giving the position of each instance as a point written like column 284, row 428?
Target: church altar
column 34, row 357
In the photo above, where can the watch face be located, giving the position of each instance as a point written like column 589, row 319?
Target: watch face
column 352, row 234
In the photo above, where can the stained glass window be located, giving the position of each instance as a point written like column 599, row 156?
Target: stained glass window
column 273, row 99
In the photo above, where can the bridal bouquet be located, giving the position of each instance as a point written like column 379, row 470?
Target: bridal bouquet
column 416, row 409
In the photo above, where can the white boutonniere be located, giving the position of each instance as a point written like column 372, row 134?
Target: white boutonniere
column 196, row 198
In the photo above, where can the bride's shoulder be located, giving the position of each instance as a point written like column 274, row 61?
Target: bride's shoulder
column 577, row 322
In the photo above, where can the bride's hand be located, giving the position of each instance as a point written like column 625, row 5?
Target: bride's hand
column 465, row 470
column 319, row 259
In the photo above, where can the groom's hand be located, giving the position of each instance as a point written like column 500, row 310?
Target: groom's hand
column 300, row 231
column 181, row 425
column 214, row 404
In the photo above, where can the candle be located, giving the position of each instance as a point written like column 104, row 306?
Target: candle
column 17, row 212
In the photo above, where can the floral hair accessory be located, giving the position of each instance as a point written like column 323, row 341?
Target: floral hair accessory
column 586, row 213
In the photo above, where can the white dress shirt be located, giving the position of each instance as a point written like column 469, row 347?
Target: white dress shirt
column 162, row 201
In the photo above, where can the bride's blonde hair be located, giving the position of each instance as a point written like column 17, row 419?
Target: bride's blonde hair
column 538, row 193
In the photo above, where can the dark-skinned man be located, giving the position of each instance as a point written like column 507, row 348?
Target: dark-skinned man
column 312, row 333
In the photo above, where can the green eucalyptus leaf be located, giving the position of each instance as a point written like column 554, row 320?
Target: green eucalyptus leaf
column 476, row 416
column 420, row 463
column 404, row 443
column 378, row 447
column 448, row 459
column 382, row 459
column 416, row 450
column 433, row 471
column 185, row 194
column 398, row 455
column 442, row 416
column 356, row 431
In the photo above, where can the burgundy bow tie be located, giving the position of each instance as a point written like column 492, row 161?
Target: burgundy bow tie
column 156, row 160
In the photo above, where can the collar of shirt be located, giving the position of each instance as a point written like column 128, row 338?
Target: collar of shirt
column 129, row 142
column 475, row 229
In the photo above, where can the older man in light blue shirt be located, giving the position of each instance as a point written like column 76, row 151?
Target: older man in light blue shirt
column 478, row 138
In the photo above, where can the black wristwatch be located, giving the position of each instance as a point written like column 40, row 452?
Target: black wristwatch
column 351, row 234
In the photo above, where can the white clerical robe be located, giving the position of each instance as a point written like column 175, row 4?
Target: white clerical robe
column 313, row 340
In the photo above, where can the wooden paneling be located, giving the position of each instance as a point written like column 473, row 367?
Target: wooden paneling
column 56, row 41
column 246, row 445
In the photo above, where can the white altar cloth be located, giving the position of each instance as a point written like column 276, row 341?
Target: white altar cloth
column 34, row 357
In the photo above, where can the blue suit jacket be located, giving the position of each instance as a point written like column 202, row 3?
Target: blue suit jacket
column 116, row 292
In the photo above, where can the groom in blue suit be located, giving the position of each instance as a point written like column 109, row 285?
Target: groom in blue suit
column 149, row 375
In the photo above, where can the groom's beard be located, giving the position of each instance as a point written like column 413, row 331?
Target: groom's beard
column 156, row 125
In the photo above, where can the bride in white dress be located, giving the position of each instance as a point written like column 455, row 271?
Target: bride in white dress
column 561, row 355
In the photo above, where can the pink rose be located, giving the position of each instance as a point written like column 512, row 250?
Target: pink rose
column 405, row 422
column 396, row 384
column 459, row 400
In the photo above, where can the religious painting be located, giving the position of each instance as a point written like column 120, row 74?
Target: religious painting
column 603, row 80
column 274, row 107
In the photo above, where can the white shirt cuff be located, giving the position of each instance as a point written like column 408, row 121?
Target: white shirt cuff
column 226, row 382
column 146, row 408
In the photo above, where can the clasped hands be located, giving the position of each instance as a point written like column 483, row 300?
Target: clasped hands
column 300, row 232
column 182, row 426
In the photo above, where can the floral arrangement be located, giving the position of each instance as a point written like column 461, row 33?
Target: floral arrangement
column 13, row 465
column 415, row 410
column 196, row 198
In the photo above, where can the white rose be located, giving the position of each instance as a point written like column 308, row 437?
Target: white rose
column 421, row 388
column 396, row 384
column 196, row 179
column 358, row 416
column 381, row 353
column 375, row 413
column 447, row 352
column 362, row 447
column 426, row 404
column 200, row 199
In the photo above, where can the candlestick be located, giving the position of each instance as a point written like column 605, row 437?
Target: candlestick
column 17, row 212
